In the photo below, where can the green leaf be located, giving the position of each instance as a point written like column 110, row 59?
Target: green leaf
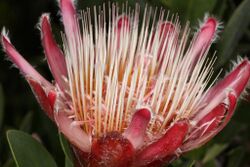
column 26, row 123
column 211, row 163
column 1, row 106
column 182, row 163
column 68, row 163
column 214, row 151
column 233, row 32
column 66, row 149
column 190, row 10
column 235, row 157
column 196, row 153
column 27, row 152
column 190, row 163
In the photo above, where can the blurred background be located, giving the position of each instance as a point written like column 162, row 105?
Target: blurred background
column 19, row 109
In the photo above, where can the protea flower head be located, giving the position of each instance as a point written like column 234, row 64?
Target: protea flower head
column 131, row 91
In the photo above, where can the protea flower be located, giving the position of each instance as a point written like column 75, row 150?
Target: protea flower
column 131, row 91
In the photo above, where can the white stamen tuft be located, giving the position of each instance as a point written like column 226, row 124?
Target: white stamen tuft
column 113, row 72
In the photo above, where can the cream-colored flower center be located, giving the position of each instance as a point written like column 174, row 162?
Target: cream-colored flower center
column 115, row 69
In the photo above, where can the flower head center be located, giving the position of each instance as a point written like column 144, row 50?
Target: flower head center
column 117, row 64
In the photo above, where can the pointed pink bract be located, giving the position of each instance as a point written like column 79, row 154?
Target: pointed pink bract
column 74, row 133
column 41, row 97
column 235, row 81
column 166, row 145
column 53, row 53
column 228, row 108
column 136, row 130
column 204, row 38
column 69, row 18
column 22, row 64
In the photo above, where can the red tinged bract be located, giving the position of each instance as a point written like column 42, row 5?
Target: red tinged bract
column 204, row 38
column 211, row 124
column 54, row 55
column 166, row 145
column 42, row 97
column 136, row 131
column 131, row 92
column 21, row 63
